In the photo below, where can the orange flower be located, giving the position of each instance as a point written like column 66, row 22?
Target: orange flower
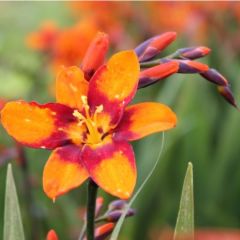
column 72, row 44
column 89, row 127
column 45, row 38
column 64, row 46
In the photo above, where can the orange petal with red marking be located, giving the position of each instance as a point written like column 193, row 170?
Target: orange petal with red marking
column 113, row 86
column 37, row 125
column 143, row 119
column 70, row 86
column 111, row 165
column 63, row 171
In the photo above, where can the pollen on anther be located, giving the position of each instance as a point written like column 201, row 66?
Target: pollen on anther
column 84, row 99
column 99, row 108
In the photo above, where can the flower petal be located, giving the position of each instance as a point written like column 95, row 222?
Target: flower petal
column 63, row 171
column 143, row 119
column 37, row 125
column 70, row 86
column 114, row 85
column 111, row 165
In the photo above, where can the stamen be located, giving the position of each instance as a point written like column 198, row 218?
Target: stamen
column 84, row 100
column 93, row 136
column 99, row 109
column 78, row 115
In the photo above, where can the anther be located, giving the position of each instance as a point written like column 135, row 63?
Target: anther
column 84, row 100
column 99, row 109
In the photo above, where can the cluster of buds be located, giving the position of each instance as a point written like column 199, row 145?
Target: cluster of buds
column 110, row 217
column 155, row 69
column 105, row 221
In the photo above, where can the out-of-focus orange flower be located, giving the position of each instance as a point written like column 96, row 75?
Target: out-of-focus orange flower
column 45, row 38
column 63, row 46
column 72, row 44
column 89, row 127
column 111, row 17
column 195, row 20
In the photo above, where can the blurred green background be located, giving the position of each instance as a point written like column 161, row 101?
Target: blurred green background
column 207, row 133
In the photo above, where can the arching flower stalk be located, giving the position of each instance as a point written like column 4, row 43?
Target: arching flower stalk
column 155, row 68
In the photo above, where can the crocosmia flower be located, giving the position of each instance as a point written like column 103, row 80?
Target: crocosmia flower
column 89, row 127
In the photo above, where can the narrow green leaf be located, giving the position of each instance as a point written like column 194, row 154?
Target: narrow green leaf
column 119, row 224
column 13, row 228
column 185, row 221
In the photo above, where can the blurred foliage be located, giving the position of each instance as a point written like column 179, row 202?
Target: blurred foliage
column 207, row 133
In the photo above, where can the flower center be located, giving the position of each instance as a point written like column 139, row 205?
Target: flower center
column 90, row 121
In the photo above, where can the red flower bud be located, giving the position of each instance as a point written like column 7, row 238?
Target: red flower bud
column 95, row 54
column 99, row 204
column 214, row 76
column 153, row 46
column 193, row 52
column 159, row 72
column 226, row 92
column 104, row 231
column 188, row 66
column 52, row 235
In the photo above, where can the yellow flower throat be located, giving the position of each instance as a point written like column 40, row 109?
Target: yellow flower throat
column 90, row 121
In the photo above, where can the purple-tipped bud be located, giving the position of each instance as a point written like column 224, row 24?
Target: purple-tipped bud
column 214, row 76
column 157, row 73
column 188, row 66
column 193, row 52
column 116, row 214
column 153, row 46
column 117, row 204
column 226, row 92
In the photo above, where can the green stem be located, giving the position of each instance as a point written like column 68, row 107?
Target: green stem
column 157, row 61
column 91, row 204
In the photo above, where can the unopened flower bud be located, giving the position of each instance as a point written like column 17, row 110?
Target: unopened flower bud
column 153, row 46
column 214, row 76
column 226, row 92
column 159, row 72
column 117, row 204
column 188, row 66
column 52, row 235
column 113, row 216
column 99, row 204
column 103, row 231
column 193, row 52
column 95, row 54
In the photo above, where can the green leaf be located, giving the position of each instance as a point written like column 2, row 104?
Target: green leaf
column 185, row 221
column 13, row 228
column 119, row 224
